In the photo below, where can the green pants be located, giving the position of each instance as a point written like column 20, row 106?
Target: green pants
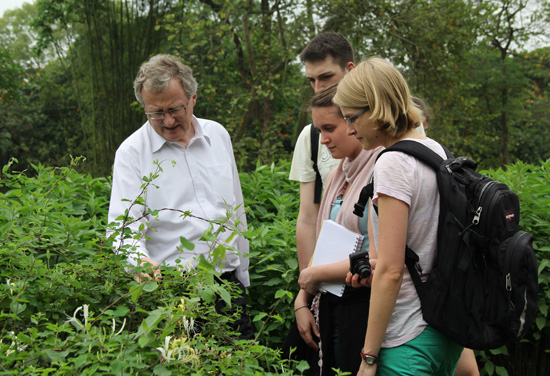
column 431, row 353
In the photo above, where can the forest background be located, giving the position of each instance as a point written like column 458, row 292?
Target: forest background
column 66, row 72
column 67, row 67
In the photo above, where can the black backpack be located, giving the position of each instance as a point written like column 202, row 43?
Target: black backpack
column 483, row 289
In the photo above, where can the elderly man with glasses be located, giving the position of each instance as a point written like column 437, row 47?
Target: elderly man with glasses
column 194, row 182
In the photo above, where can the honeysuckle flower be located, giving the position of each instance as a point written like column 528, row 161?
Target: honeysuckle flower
column 121, row 328
column 10, row 284
column 76, row 322
column 177, row 350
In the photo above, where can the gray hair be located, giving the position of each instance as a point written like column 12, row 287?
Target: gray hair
column 155, row 76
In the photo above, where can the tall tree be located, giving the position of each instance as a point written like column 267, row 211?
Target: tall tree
column 22, row 132
column 508, row 28
column 243, row 53
column 108, row 42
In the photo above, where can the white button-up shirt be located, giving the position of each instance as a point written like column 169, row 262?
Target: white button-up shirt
column 201, row 179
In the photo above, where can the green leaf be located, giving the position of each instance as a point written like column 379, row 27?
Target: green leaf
column 136, row 293
column 224, row 294
column 541, row 322
column 121, row 311
column 501, row 371
column 259, row 316
column 21, row 337
column 144, row 340
column 150, row 286
column 490, row 367
column 118, row 366
column 278, row 318
column 56, row 356
column 161, row 370
column 17, row 307
column 186, row 243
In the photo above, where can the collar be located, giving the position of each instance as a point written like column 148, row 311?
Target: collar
column 157, row 141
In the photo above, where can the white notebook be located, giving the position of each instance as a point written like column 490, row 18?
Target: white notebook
column 335, row 243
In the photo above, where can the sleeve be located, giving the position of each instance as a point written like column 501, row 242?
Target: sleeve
column 242, row 243
column 302, row 166
column 394, row 176
column 127, row 186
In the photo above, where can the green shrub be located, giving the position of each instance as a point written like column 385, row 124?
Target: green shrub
column 273, row 203
column 67, row 305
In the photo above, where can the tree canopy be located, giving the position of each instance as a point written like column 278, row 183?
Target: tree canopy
column 68, row 66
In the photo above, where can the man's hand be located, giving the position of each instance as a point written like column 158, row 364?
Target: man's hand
column 155, row 271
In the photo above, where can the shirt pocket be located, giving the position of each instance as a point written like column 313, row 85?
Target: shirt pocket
column 222, row 183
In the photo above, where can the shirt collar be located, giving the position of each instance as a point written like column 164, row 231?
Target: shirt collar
column 157, row 141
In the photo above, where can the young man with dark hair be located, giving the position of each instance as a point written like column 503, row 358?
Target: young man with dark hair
column 327, row 58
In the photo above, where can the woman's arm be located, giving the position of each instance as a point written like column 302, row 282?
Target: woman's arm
column 393, row 220
column 311, row 277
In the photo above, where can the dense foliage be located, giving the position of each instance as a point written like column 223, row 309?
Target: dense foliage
column 67, row 305
column 67, row 66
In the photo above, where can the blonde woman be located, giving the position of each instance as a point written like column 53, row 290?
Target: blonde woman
column 375, row 100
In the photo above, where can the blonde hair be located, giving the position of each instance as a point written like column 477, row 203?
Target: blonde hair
column 378, row 85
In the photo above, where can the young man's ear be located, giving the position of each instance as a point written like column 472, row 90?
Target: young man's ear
column 349, row 66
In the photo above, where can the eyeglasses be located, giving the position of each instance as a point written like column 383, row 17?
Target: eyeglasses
column 354, row 117
column 159, row 116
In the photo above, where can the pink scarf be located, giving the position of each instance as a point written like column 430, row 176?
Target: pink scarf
column 355, row 173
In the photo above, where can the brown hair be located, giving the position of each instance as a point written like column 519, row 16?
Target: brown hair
column 328, row 43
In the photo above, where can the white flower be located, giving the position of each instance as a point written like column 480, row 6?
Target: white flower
column 121, row 328
column 76, row 322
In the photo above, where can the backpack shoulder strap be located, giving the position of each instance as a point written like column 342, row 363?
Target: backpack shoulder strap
column 412, row 148
column 433, row 160
column 419, row 151
column 314, row 135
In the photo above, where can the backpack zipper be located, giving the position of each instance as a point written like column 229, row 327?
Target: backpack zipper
column 516, row 238
column 477, row 215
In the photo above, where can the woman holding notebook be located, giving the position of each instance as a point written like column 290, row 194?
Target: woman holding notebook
column 341, row 321
column 375, row 100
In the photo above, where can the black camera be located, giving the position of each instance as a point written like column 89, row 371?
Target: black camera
column 359, row 264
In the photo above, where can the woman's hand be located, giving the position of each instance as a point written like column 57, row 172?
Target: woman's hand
column 306, row 326
column 367, row 370
column 308, row 281
column 354, row 281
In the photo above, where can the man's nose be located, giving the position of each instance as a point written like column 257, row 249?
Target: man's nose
column 318, row 86
column 169, row 119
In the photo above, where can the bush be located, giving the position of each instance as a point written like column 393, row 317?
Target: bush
column 273, row 203
column 67, row 306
